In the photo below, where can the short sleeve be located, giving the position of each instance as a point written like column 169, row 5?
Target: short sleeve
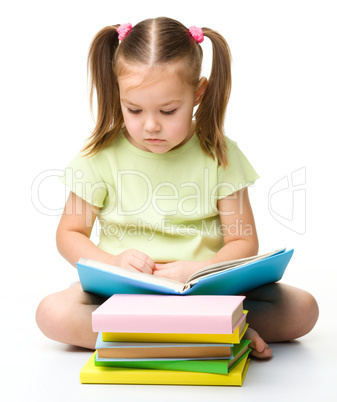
column 239, row 173
column 83, row 178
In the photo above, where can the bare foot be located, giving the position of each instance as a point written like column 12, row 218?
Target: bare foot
column 259, row 347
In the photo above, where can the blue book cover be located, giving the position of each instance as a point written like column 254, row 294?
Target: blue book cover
column 228, row 278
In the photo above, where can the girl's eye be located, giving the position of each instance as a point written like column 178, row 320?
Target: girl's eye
column 169, row 112
column 134, row 111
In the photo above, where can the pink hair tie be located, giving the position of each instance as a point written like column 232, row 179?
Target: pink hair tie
column 196, row 34
column 123, row 30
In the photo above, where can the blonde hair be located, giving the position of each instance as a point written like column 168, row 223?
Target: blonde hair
column 157, row 43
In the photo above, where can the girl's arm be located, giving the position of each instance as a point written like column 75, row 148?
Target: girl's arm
column 238, row 228
column 73, row 239
column 239, row 233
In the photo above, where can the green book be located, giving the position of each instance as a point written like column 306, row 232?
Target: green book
column 217, row 366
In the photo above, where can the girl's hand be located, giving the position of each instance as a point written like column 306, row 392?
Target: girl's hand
column 133, row 260
column 179, row 270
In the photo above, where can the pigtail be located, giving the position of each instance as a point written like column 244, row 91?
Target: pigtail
column 104, row 81
column 210, row 115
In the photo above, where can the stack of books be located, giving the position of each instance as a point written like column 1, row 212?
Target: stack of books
column 161, row 339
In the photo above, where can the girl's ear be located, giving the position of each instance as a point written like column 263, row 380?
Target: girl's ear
column 200, row 90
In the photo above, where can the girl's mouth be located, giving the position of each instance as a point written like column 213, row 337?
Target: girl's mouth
column 154, row 140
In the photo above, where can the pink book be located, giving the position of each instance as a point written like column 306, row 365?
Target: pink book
column 168, row 314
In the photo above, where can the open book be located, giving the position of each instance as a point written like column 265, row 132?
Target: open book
column 225, row 278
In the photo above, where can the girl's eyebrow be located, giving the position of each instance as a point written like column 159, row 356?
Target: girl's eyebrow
column 170, row 102
column 128, row 102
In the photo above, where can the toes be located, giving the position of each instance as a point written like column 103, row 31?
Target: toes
column 259, row 347
column 265, row 354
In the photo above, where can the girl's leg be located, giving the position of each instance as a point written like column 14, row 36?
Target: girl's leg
column 277, row 313
column 66, row 316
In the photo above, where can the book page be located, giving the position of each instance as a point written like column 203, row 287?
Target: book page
column 223, row 266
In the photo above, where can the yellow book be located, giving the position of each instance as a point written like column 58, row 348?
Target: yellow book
column 235, row 337
column 92, row 374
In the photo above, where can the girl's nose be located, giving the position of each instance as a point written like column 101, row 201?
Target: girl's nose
column 151, row 124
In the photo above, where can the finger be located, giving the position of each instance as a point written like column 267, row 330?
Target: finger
column 165, row 266
column 140, row 266
column 159, row 273
column 164, row 273
column 143, row 265
column 159, row 267
column 144, row 257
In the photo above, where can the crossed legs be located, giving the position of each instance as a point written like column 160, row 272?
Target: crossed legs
column 277, row 313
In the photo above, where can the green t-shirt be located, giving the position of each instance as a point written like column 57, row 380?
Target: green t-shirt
column 164, row 205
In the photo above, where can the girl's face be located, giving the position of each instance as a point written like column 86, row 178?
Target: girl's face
column 157, row 108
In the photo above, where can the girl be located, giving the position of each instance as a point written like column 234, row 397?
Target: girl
column 170, row 191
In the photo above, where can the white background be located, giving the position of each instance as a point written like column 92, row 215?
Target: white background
column 282, row 113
